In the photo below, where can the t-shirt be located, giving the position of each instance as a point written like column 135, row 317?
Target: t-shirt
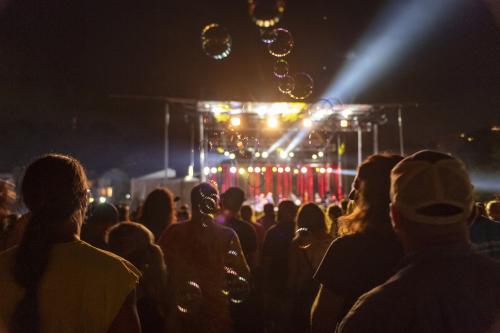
column 450, row 289
column 82, row 290
column 485, row 235
column 356, row 263
column 247, row 235
column 196, row 253
column 275, row 253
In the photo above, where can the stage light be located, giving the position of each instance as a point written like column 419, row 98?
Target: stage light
column 265, row 154
column 314, row 157
column 274, row 169
column 322, row 170
column 127, row 196
column 392, row 38
column 283, row 155
column 321, row 154
column 303, row 170
column 280, row 170
column 235, row 121
column 257, row 154
column 102, row 199
column 295, row 171
column 287, row 169
column 297, row 202
column 219, row 169
column 213, row 170
column 263, row 169
column 291, row 154
column 272, row 122
column 307, row 123
column 91, row 200
column 329, row 170
column 344, row 123
column 250, row 169
column 226, row 153
column 233, row 169
column 232, row 156
column 206, row 171
column 220, row 150
column 257, row 170
column 241, row 171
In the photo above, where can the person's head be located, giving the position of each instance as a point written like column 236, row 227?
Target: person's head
column 204, row 201
column 344, row 204
column 269, row 209
column 158, row 211
column 247, row 213
column 232, row 199
column 431, row 200
column 102, row 215
column 493, row 210
column 54, row 189
column 287, row 210
column 312, row 218
column 334, row 211
column 371, row 196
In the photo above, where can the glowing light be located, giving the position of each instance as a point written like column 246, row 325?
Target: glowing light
column 102, row 199
column 206, row 171
column 220, row 150
column 295, row 171
column 321, row 154
column 314, row 157
column 322, row 170
column 257, row 154
column 250, row 169
column 241, row 171
column 257, row 170
column 280, row 170
column 232, row 156
column 307, row 123
column 291, row 154
column 329, row 170
column 274, row 169
column 470, row 139
column 344, row 123
column 287, row 169
column 235, row 121
column 233, row 169
column 272, row 122
column 283, row 155
column 219, row 169
column 297, row 202
column 263, row 169
column 226, row 153
column 303, row 170
column 127, row 196
column 91, row 200
column 265, row 154
column 213, row 170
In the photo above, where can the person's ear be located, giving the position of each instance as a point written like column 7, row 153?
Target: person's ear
column 395, row 221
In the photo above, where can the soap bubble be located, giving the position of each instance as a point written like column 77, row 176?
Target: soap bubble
column 189, row 297
column 286, row 84
column 216, row 41
column 303, row 238
column 237, row 287
column 303, row 86
column 267, row 36
column 280, row 68
column 282, row 44
column 266, row 13
column 209, row 204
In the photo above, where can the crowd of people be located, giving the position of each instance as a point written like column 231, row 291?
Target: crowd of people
column 411, row 251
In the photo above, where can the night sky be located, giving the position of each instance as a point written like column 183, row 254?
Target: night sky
column 62, row 61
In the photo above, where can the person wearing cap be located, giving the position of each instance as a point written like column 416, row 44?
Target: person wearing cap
column 443, row 285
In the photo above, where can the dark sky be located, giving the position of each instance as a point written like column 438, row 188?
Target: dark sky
column 60, row 61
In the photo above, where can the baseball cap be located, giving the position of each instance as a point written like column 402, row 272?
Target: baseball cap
column 432, row 188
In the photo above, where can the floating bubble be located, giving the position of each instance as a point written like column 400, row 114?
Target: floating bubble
column 208, row 205
column 216, row 41
column 304, row 238
column 189, row 298
column 267, row 36
column 282, row 44
column 280, row 68
column 237, row 287
column 266, row 13
column 303, row 86
column 286, row 84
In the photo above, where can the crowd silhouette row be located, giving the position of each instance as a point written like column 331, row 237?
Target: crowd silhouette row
column 410, row 251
